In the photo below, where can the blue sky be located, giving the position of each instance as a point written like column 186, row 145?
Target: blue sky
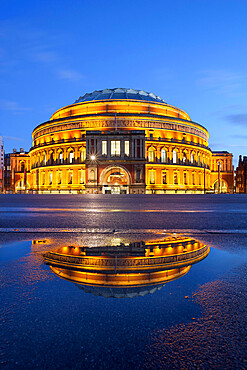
column 193, row 53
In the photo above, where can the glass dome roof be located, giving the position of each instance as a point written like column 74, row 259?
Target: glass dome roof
column 120, row 93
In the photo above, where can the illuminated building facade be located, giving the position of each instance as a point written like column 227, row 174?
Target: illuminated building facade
column 222, row 172
column 120, row 141
column 241, row 175
column 1, row 164
column 17, row 171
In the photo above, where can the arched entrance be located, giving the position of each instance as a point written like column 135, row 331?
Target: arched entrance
column 220, row 187
column 115, row 180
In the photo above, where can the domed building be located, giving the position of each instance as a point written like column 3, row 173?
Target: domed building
column 120, row 141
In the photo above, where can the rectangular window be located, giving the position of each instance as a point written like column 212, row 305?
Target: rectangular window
column 50, row 178
column 82, row 177
column 115, row 147
column 151, row 177
column 70, row 178
column 127, row 148
column 185, row 178
column 59, row 178
column 164, row 178
column 175, row 178
column 104, row 147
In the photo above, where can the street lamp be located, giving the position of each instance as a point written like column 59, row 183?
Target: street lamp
column 93, row 158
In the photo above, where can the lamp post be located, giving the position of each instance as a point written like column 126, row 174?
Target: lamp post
column 94, row 160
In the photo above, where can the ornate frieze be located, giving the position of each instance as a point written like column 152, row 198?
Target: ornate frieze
column 121, row 124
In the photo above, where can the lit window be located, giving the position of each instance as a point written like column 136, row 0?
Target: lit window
column 70, row 178
column 71, row 157
column 50, row 178
column 92, row 175
column 150, row 155
column 184, row 158
column 61, row 157
column 151, row 177
column 104, row 147
column 127, row 148
column 83, row 154
column 164, row 178
column 175, row 156
column 163, row 156
column 115, row 147
column 192, row 158
column 82, row 177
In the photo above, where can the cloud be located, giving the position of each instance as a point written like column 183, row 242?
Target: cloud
column 44, row 56
column 238, row 119
column 244, row 137
column 221, row 82
column 69, row 74
column 13, row 138
column 13, row 106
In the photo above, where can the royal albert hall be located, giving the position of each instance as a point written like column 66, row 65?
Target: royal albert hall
column 120, row 141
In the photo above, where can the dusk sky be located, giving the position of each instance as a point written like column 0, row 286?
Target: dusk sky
column 192, row 53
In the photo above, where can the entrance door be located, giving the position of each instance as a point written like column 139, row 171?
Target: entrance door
column 116, row 181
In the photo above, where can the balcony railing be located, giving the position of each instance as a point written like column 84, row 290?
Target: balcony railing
column 54, row 142
column 185, row 142
column 178, row 163
column 58, row 162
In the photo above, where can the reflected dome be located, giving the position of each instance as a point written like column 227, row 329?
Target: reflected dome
column 126, row 271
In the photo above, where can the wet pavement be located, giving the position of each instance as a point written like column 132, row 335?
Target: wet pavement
column 196, row 321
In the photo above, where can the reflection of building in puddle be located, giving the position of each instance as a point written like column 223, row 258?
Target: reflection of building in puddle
column 126, row 271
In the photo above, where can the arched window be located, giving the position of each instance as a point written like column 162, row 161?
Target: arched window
column 175, row 156
column 199, row 159
column 83, row 154
column 22, row 167
column 184, row 158
column 45, row 158
column 92, row 175
column 219, row 166
column 61, row 157
column 71, row 156
column 163, row 156
column 150, row 155
column 51, row 158
column 192, row 158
